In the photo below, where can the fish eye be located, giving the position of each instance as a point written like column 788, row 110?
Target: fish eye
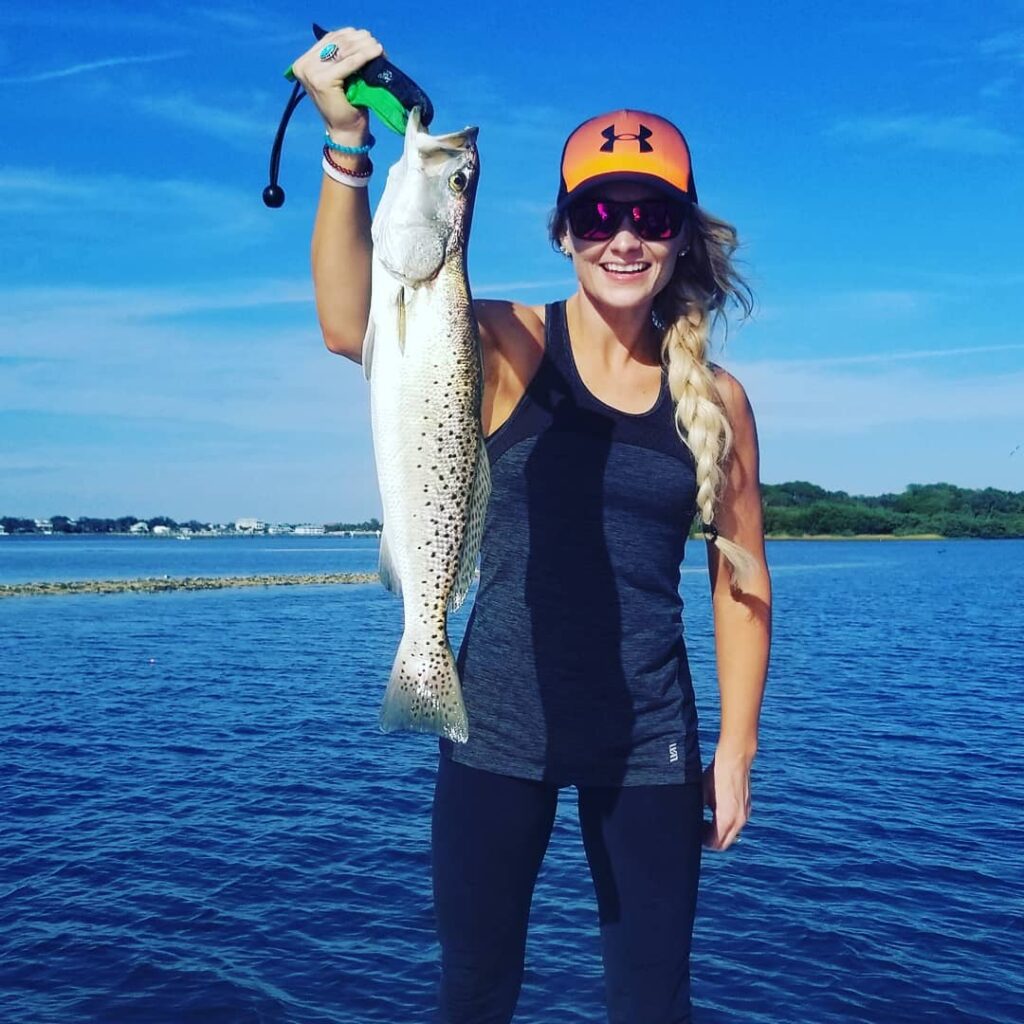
column 458, row 182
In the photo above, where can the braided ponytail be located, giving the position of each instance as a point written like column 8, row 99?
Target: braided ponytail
column 686, row 310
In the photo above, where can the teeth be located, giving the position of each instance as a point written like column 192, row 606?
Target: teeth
column 625, row 268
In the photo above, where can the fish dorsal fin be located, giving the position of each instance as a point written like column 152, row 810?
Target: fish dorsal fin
column 367, row 356
column 474, row 529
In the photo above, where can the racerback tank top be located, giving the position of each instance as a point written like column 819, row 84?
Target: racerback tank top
column 573, row 665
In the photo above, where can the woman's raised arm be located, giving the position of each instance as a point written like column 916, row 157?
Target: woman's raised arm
column 341, row 248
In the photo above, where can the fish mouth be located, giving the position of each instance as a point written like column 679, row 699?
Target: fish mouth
column 450, row 144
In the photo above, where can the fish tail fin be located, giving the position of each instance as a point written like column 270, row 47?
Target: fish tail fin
column 424, row 694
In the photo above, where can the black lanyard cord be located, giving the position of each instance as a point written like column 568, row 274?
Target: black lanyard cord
column 273, row 194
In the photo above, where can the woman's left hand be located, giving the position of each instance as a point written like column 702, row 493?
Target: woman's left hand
column 726, row 784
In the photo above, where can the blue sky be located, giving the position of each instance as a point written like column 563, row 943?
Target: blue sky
column 159, row 351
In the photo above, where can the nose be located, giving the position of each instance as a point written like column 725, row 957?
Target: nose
column 626, row 239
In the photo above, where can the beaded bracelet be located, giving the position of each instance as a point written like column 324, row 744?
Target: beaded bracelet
column 344, row 179
column 349, row 150
column 348, row 170
column 345, row 176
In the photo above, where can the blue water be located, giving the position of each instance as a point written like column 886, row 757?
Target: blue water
column 61, row 557
column 200, row 823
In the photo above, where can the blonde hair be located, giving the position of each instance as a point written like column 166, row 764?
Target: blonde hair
column 685, row 312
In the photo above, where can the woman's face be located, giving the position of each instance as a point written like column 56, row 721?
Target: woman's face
column 624, row 271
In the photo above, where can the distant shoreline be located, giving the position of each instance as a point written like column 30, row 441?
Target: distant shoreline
column 336, row 536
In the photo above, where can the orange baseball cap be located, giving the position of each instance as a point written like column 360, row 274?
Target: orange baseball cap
column 626, row 145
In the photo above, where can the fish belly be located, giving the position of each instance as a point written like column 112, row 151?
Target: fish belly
column 425, row 404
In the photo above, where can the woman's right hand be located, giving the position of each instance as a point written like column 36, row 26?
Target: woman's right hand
column 324, row 80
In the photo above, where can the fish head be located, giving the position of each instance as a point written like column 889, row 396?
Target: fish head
column 424, row 215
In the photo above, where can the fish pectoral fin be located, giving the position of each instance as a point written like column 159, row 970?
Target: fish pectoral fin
column 387, row 570
column 367, row 356
column 400, row 304
column 475, row 517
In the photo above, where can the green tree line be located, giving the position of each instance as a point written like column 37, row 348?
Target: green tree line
column 800, row 508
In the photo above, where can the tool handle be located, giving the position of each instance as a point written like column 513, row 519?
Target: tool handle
column 388, row 92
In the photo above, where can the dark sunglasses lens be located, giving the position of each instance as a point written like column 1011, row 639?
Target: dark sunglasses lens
column 658, row 219
column 597, row 220
column 592, row 219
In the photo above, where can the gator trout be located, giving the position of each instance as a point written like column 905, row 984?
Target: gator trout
column 421, row 356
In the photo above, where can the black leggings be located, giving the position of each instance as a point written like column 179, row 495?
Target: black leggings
column 643, row 844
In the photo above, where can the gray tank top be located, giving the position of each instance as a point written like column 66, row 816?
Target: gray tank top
column 573, row 665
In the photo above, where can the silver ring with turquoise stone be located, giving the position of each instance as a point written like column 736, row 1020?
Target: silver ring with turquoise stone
column 329, row 52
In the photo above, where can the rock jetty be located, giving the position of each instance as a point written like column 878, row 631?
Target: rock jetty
column 157, row 584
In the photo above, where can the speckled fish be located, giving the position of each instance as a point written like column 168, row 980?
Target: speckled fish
column 422, row 359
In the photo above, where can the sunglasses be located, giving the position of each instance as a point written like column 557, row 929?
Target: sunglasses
column 654, row 220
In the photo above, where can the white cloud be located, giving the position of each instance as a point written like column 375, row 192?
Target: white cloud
column 807, row 395
column 1005, row 46
column 997, row 88
column 910, row 355
column 101, row 205
column 961, row 133
column 40, row 308
column 95, row 65
column 230, row 125
column 880, row 303
column 510, row 287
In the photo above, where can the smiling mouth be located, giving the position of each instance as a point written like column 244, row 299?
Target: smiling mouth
column 624, row 269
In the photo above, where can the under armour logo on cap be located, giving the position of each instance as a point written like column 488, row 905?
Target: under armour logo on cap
column 628, row 144
column 641, row 137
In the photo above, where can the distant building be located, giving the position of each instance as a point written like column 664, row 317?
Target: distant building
column 250, row 526
column 44, row 525
column 139, row 528
column 309, row 530
column 162, row 531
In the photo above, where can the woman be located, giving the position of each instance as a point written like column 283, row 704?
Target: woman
column 607, row 431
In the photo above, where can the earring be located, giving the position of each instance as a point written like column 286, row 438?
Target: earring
column 681, row 253
column 565, row 250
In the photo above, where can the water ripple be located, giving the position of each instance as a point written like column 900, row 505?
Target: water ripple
column 201, row 821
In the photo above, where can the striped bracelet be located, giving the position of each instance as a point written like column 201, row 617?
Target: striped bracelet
column 347, row 170
column 345, row 176
column 349, row 150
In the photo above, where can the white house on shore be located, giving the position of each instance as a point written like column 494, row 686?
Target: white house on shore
column 250, row 526
column 139, row 528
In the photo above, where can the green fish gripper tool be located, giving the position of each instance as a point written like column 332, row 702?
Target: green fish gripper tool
column 378, row 86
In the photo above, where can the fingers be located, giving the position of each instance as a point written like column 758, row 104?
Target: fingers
column 356, row 48
column 324, row 79
column 727, row 794
column 720, row 833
